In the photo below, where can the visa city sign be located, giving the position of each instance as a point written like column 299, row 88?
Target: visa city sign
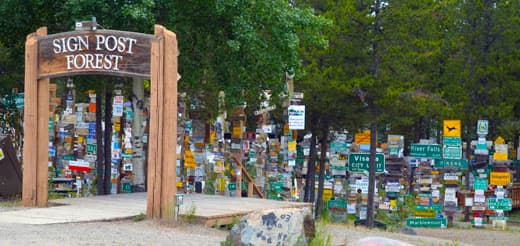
column 359, row 162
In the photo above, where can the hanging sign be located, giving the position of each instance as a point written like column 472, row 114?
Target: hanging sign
column 451, row 128
column 499, row 178
column 296, row 117
column 482, row 127
column 95, row 52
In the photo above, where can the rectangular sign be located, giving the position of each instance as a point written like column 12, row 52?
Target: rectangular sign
column 362, row 137
column 500, row 204
column 427, row 222
column 359, row 162
column 454, row 141
column 101, row 52
column 452, row 152
column 451, row 128
column 451, row 163
column 482, row 127
column 480, row 184
column 296, row 117
column 425, row 150
column 499, row 178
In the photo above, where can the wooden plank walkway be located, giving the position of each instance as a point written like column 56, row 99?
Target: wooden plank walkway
column 207, row 209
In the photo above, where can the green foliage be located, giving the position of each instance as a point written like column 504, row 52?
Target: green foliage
column 139, row 217
column 190, row 216
column 321, row 238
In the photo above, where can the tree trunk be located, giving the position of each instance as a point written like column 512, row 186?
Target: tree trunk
column 108, row 141
column 137, row 134
column 323, row 159
column 371, row 175
column 309, row 184
column 100, row 185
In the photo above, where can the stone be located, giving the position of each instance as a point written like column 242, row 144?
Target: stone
column 408, row 231
column 285, row 226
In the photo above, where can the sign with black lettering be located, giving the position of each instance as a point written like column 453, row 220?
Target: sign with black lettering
column 94, row 52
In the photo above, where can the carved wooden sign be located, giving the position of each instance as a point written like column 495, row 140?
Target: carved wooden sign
column 106, row 52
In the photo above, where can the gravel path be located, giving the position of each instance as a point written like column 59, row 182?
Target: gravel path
column 128, row 232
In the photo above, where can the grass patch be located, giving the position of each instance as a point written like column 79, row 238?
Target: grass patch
column 11, row 203
column 139, row 217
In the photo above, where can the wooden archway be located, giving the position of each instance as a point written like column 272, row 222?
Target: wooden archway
column 103, row 52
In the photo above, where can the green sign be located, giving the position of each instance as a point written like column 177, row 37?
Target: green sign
column 427, row 222
column 500, row 204
column 451, row 163
column 341, row 168
column 359, row 162
column 91, row 148
column 480, row 184
column 425, row 150
column 126, row 187
column 454, row 141
column 452, row 152
column 19, row 100
column 232, row 186
column 68, row 157
column 337, row 205
column 436, row 207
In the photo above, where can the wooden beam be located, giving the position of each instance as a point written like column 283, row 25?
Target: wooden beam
column 42, row 167
column 30, row 157
column 153, row 195
column 169, row 125
column 246, row 174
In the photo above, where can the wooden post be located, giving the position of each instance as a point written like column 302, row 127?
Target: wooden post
column 36, row 135
column 163, row 126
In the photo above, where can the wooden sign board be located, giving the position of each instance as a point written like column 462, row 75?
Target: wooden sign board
column 105, row 52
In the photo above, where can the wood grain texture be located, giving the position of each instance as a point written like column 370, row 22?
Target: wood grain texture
column 30, row 122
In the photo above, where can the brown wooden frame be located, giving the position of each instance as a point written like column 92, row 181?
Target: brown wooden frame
column 163, row 118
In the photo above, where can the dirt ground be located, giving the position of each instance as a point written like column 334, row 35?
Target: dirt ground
column 148, row 232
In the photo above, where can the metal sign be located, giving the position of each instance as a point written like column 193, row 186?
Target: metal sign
column 427, row 222
column 425, row 150
column 500, row 204
column 482, row 127
column 359, row 162
column 499, row 178
column 452, row 152
column 451, row 163
column 451, row 128
column 296, row 117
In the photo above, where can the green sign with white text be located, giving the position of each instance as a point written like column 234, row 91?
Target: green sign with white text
column 427, row 222
column 425, row 150
column 451, row 163
column 359, row 162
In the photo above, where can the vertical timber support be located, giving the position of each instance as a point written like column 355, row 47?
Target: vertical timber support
column 36, row 133
column 163, row 126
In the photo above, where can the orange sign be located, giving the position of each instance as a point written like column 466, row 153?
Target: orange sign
column 362, row 137
column 499, row 178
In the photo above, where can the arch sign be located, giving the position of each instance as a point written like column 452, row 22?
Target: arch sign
column 103, row 52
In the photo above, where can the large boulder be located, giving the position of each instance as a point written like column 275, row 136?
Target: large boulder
column 287, row 226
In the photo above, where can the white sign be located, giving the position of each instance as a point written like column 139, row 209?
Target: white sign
column 296, row 117
column 482, row 127
column 450, row 195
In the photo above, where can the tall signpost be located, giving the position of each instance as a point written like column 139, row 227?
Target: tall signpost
column 103, row 52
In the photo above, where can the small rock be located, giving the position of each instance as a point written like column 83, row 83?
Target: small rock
column 408, row 231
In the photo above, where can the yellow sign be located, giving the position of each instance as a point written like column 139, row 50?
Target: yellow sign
column 451, row 128
column 500, row 140
column 499, row 178
column 362, row 137
column 327, row 194
column 425, row 213
column 291, row 146
column 189, row 160
column 237, row 132
column 498, row 156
